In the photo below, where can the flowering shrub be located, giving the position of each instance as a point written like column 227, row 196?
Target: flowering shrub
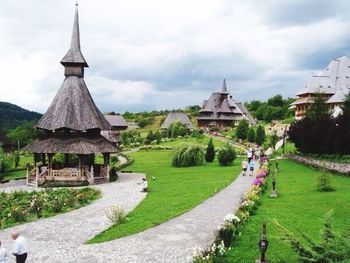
column 231, row 218
column 227, row 233
column 215, row 253
column 18, row 207
column 258, row 181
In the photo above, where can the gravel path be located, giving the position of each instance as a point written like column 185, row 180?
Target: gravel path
column 61, row 238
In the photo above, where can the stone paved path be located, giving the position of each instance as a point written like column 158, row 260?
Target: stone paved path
column 60, row 239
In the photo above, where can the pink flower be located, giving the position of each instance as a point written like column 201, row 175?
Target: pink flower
column 258, row 181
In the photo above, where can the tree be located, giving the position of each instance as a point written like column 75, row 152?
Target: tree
column 318, row 109
column 260, row 135
column 242, row 129
column 226, row 155
column 274, row 139
column 276, row 101
column 210, row 153
column 177, row 129
column 254, row 105
column 24, row 133
column 5, row 163
column 251, row 134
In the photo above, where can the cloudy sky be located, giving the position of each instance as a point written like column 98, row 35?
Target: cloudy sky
column 162, row 54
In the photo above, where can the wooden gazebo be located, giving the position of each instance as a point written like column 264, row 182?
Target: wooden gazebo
column 72, row 126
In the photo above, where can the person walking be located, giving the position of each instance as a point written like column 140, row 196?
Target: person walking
column 249, row 155
column 20, row 247
column 251, row 167
column 244, row 167
column 3, row 254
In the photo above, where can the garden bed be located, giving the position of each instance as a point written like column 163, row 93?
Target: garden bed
column 21, row 207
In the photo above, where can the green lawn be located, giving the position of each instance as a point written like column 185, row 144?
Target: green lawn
column 299, row 206
column 175, row 191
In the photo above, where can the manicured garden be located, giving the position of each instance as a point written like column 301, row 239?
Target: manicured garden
column 299, row 206
column 173, row 191
column 20, row 207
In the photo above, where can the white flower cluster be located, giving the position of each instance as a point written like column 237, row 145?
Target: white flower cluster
column 247, row 203
column 231, row 218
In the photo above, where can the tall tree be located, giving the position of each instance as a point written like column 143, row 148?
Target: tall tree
column 273, row 141
column 242, row 129
column 210, row 153
column 260, row 135
column 251, row 134
column 318, row 109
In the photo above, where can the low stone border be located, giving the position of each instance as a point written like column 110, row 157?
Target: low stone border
column 334, row 167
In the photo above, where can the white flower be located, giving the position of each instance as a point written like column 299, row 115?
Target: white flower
column 231, row 218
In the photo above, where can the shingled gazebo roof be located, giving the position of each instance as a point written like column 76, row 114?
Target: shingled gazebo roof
column 73, row 108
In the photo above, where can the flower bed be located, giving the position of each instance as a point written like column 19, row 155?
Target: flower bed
column 20, row 207
column 228, row 231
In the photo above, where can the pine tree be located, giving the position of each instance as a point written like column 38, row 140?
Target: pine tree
column 251, row 134
column 274, row 139
column 242, row 129
column 260, row 135
column 210, row 153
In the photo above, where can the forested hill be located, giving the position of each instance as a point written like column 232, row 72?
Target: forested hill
column 12, row 115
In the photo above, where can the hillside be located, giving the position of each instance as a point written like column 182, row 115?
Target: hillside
column 12, row 115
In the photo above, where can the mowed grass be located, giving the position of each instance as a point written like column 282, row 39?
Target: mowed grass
column 299, row 206
column 175, row 191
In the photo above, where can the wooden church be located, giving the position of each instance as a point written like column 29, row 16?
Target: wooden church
column 72, row 126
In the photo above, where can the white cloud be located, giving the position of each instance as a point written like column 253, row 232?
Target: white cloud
column 166, row 54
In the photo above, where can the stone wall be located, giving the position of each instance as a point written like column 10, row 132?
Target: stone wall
column 335, row 167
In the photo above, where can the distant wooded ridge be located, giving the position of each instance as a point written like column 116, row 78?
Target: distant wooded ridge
column 12, row 115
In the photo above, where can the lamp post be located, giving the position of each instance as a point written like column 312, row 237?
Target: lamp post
column 263, row 245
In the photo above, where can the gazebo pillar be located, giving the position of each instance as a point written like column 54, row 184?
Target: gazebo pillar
column 80, row 165
column 66, row 159
column 43, row 159
column 49, row 165
column 106, row 164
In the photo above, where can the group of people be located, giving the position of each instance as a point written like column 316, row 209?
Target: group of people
column 253, row 154
column 20, row 249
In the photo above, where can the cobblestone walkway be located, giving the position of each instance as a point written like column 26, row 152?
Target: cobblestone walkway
column 60, row 239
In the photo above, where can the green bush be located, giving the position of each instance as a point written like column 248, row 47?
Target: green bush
column 226, row 233
column 210, row 152
column 251, row 135
column 242, row 129
column 324, row 182
column 185, row 156
column 227, row 155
